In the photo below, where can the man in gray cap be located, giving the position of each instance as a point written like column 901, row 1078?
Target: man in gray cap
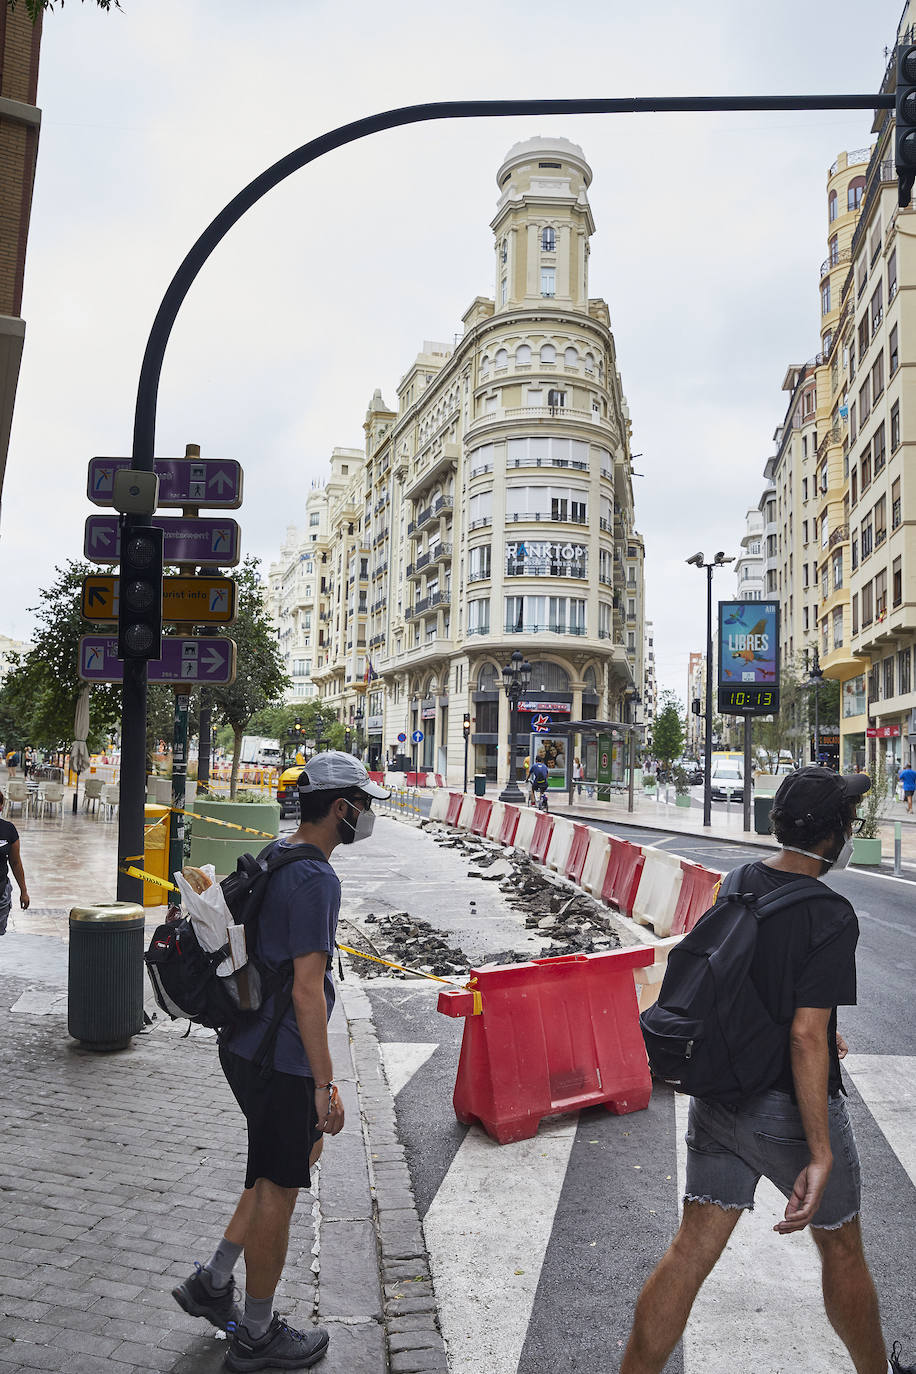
column 797, row 1133
column 290, row 1107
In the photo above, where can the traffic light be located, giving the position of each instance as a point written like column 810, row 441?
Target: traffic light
column 695, row 706
column 140, row 593
column 905, row 134
column 466, row 725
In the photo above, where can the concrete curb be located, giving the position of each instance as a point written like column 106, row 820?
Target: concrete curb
column 415, row 1343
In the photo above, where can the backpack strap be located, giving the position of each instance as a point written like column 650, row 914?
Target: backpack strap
column 279, row 858
column 801, row 890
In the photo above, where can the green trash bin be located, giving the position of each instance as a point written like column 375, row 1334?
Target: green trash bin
column 762, row 808
column 105, row 974
column 480, row 784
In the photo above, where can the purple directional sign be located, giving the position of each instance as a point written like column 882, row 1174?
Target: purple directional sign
column 183, row 660
column 215, row 482
column 189, row 540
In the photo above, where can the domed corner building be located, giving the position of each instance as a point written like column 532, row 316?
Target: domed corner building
column 493, row 512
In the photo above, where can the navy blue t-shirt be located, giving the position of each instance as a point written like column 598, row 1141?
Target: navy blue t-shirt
column 299, row 916
column 8, row 837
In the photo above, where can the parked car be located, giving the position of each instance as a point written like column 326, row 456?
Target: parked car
column 727, row 782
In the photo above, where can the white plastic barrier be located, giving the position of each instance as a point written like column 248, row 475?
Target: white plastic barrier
column 466, row 814
column 497, row 811
column 657, row 894
column 599, row 851
column 648, row 979
column 439, row 804
column 525, row 832
column 560, row 842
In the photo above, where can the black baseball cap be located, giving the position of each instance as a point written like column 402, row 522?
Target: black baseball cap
column 812, row 791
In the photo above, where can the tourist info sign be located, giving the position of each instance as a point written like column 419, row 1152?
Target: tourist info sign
column 183, row 660
column 185, row 540
column 214, row 482
column 188, row 600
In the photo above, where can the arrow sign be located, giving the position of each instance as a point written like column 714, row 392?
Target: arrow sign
column 185, row 540
column 185, row 600
column 182, row 660
column 215, row 482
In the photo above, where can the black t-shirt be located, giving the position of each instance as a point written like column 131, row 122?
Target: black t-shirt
column 8, row 837
column 805, row 957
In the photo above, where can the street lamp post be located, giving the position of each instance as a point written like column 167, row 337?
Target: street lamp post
column 516, row 679
column 466, row 727
column 719, row 560
column 816, row 678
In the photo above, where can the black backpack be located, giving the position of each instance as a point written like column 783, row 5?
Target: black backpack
column 709, row 1034
column 184, row 976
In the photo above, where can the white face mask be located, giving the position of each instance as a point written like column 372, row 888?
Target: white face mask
column 841, row 860
column 365, row 824
column 845, row 854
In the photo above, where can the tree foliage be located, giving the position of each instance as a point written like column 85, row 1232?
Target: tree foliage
column 668, row 734
column 35, row 8
column 791, row 730
column 261, row 678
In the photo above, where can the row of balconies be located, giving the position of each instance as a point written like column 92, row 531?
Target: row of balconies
column 429, row 603
column 443, row 503
column 379, row 569
column 441, row 553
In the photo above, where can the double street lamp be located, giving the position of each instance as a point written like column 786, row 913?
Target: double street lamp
column 516, row 680
column 719, row 560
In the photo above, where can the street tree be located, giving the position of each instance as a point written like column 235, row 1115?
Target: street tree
column 668, row 734
column 261, row 678
column 788, row 732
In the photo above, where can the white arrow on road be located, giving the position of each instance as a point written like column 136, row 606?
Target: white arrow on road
column 214, row 659
column 221, row 480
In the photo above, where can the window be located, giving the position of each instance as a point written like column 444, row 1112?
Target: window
column 853, row 429
column 833, row 250
column 805, row 619
column 315, row 518
column 897, row 582
column 865, row 469
column 864, row 337
column 504, row 251
column 479, row 563
column 804, row 531
column 864, row 401
column 867, row 604
column 838, row 627
column 888, row 667
column 855, row 614
column 503, row 291
column 485, row 366
column 893, row 353
column 879, row 453
column 854, row 194
column 877, row 377
column 589, row 362
column 523, row 355
column 481, row 460
column 881, row 595
column 479, row 617
column 548, row 281
column 895, row 504
column 904, row 678
column 880, row 520
column 866, row 537
column 832, row 206
column 837, row 570
column 548, row 240
column 548, row 355
column 604, row 620
column 854, row 551
column 804, row 574
column 804, row 488
column 501, row 358
column 825, row 297
column 854, row 486
column 895, row 426
column 876, row 308
column 571, row 357
column 480, row 509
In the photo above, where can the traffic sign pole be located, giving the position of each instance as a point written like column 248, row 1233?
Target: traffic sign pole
column 179, row 782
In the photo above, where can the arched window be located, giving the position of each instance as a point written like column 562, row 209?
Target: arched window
column 549, row 677
column 523, row 355
column 833, row 255
column 831, row 206
column 590, row 678
column 548, row 355
column 501, row 359
column 854, row 194
column 488, row 679
column 548, row 240
column 485, row 366
column 504, row 251
column 589, row 362
column 571, row 358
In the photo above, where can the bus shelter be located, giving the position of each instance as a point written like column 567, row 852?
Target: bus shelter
column 607, row 751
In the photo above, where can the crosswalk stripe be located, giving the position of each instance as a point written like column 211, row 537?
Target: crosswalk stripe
column 747, row 1312
column 487, row 1231
column 887, row 1085
column 401, row 1061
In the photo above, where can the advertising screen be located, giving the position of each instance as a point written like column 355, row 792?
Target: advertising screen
column 748, row 658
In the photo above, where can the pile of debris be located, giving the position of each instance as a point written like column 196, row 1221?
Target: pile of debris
column 405, row 939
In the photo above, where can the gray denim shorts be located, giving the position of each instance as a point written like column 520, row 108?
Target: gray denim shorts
column 730, row 1148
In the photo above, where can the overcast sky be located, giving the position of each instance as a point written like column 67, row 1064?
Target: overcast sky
column 710, row 232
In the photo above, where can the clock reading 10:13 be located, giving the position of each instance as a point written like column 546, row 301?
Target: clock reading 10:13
column 761, row 700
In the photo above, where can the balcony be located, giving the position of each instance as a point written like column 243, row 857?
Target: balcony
column 444, row 503
column 423, row 518
column 430, row 468
column 838, row 536
column 549, row 463
column 545, row 629
column 477, row 524
column 835, row 260
column 380, row 568
column 380, row 537
column 428, row 603
column 539, row 517
column 545, row 414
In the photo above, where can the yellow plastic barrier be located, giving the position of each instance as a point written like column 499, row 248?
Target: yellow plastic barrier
column 155, row 851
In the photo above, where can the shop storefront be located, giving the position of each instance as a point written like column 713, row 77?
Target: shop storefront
column 374, row 726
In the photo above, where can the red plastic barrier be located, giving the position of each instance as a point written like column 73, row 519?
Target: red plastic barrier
column 540, row 840
column 454, row 807
column 697, row 894
column 378, row 778
column 481, row 818
column 575, row 861
column 415, row 779
column 623, row 873
column 440, row 781
column 554, row 1035
column 509, row 825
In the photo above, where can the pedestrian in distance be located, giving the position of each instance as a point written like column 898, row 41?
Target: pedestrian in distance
column 577, row 776
column 28, row 763
column 294, row 1103
column 907, row 779
column 797, row 1133
column 10, row 858
column 12, row 762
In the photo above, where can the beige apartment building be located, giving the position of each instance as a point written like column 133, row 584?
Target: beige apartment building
column 491, row 511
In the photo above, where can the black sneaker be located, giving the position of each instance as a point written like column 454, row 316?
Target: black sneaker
column 896, row 1366
column 198, row 1299
column 281, row 1347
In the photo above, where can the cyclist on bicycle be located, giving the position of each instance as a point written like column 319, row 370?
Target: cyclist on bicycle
column 537, row 781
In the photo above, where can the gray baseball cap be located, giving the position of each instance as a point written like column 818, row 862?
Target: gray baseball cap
column 335, row 770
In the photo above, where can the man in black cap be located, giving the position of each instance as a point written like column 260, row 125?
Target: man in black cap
column 797, row 1133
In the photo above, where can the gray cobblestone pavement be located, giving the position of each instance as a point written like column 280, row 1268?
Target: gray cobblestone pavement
column 119, row 1170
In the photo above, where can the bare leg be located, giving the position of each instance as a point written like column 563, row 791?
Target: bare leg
column 850, row 1297
column 238, row 1227
column 664, row 1304
column 267, row 1237
column 316, row 1151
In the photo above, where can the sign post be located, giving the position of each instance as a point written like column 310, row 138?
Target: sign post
column 179, row 779
column 417, row 738
column 748, row 672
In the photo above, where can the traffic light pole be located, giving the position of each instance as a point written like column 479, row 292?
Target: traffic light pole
column 179, row 783
column 133, row 700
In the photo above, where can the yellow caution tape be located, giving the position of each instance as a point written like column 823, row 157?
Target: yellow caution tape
column 133, row 872
column 227, row 825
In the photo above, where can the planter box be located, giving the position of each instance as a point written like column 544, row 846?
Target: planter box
column 211, row 844
column 682, row 801
column 865, row 851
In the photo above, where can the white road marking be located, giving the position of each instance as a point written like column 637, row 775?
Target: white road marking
column 487, row 1232
column 887, row 1085
column 401, row 1061
column 761, row 1307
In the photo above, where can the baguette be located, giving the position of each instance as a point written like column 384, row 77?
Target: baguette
column 195, row 879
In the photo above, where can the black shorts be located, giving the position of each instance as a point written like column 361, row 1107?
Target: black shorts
column 282, row 1122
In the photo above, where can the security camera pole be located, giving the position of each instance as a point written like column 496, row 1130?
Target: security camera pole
column 718, row 561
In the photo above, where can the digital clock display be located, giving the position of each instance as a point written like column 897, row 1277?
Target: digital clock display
column 762, row 701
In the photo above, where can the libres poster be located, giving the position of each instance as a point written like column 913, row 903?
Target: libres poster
column 748, row 643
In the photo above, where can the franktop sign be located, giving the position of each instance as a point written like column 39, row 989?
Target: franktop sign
column 187, row 540
column 211, row 482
